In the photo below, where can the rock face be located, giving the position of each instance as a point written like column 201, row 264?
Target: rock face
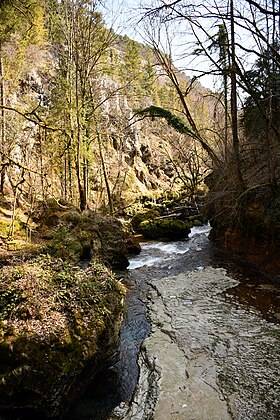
column 59, row 326
column 261, row 249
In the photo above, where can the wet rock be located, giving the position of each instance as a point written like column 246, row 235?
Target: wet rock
column 209, row 356
column 133, row 246
column 142, row 216
column 164, row 229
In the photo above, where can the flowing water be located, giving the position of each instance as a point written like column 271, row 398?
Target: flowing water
column 200, row 339
column 211, row 348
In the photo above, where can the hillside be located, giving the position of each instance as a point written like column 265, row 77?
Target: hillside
column 74, row 134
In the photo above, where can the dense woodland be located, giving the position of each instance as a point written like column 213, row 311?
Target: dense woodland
column 75, row 97
column 70, row 89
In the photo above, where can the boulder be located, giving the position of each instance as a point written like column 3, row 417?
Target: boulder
column 164, row 229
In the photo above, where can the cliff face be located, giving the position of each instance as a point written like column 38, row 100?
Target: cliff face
column 261, row 249
column 104, row 148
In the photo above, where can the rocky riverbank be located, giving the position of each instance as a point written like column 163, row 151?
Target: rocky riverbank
column 61, row 307
column 59, row 327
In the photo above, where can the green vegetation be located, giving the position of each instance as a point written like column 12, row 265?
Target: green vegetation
column 164, row 229
column 53, row 320
column 173, row 120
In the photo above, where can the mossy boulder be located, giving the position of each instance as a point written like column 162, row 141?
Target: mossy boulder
column 143, row 216
column 59, row 325
column 132, row 245
column 164, row 229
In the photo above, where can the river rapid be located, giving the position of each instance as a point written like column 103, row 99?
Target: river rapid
column 200, row 340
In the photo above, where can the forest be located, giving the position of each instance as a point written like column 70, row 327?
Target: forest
column 106, row 138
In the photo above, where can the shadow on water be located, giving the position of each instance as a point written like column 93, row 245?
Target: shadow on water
column 117, row 383
column 255, row 289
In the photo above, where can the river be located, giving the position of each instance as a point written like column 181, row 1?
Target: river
column 200, row 340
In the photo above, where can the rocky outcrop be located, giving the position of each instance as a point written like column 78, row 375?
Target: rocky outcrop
column 59, row 327
column 261, row 249
column 77, row 236
column 245, row 220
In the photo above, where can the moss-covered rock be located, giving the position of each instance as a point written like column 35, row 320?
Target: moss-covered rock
column 76, row 236
column 133, row 246
column 58, row 326
column 143, row 216
column 165, row 229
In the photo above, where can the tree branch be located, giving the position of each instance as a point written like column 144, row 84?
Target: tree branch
column 262, row 9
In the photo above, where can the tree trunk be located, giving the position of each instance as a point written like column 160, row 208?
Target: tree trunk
column 82, row 193
column 110, row 201
column 234, row 108
column 2, row 124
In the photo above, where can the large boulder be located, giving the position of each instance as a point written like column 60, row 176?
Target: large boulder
column 164, row 229
column 76, row 236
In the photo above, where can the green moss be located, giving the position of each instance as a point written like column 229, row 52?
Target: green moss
column 5, row 227
column 143, row 216
column 166, row 229
column 54, row 319
column 197, row 222
column 66, row 245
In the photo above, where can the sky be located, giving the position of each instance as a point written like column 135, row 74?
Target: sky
column 118, row 14
column 124, row 15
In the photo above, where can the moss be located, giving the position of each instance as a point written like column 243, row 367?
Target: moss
column 82, row 236
column 197, row 222
column 143, row 216
column 166, row 229
column 66, row 245
column 55, row 318
column 5, row 227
